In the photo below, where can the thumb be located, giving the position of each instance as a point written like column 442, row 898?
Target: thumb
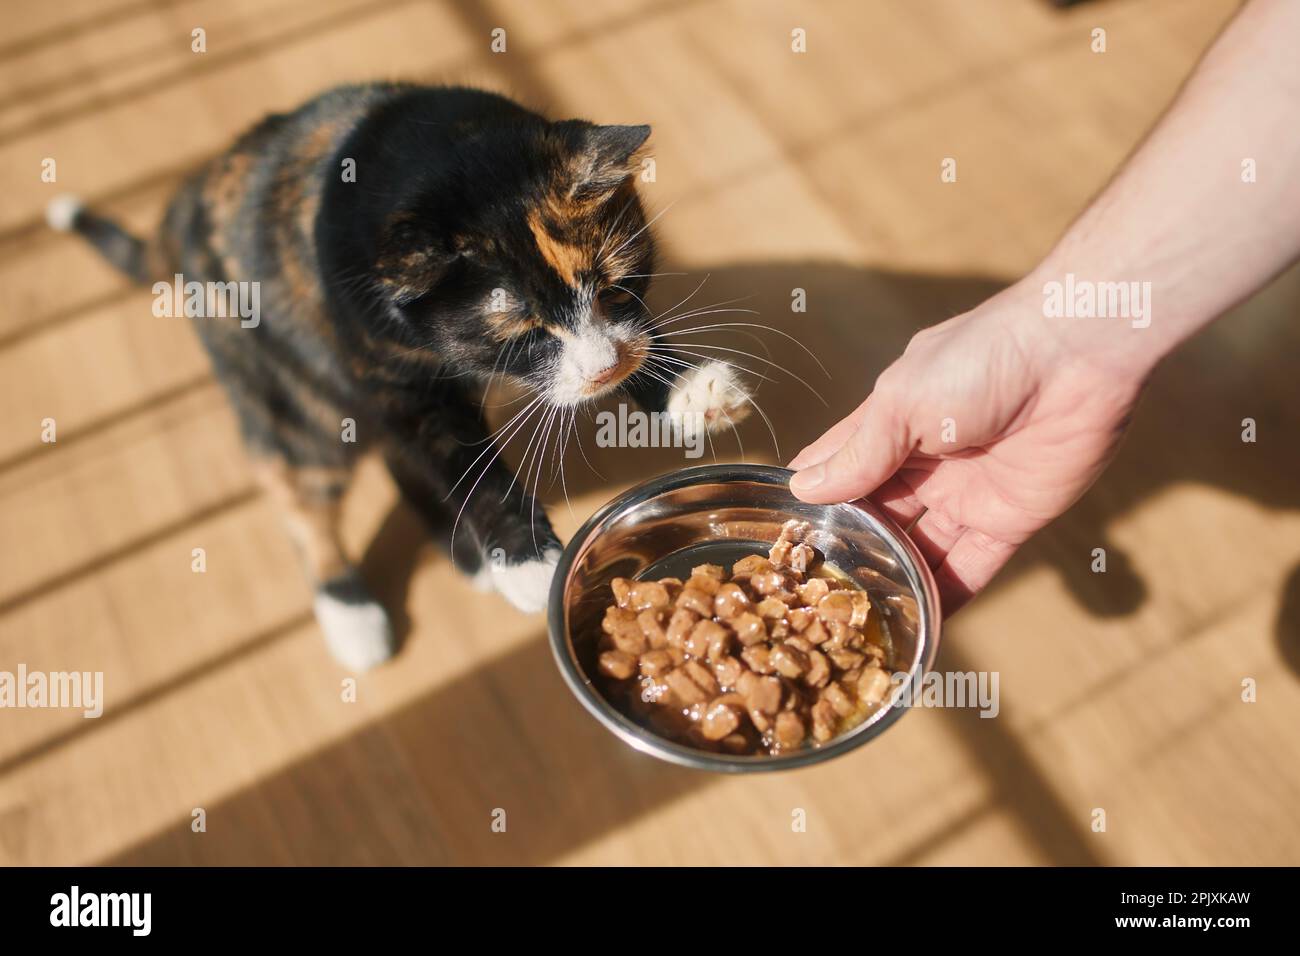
column 871, row 454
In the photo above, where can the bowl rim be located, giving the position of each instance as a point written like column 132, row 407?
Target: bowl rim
column 919, row 578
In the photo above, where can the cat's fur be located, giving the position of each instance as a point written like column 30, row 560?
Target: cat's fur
column 477, row 238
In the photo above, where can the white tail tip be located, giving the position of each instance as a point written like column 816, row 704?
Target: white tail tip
column 61, row 213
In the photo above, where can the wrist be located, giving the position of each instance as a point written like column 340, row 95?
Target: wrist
column 1115, row 318
column 1047, row 316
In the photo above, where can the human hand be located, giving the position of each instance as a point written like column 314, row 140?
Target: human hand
column 988, row 427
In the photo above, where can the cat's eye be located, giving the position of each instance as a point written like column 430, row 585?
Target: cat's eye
column 615, row 296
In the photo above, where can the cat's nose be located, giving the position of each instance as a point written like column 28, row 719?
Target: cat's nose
column 606, row 375
column 616, row 368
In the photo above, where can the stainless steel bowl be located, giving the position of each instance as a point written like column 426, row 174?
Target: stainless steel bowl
column 718, row 513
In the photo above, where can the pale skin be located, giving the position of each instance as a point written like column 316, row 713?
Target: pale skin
column 1037, row 406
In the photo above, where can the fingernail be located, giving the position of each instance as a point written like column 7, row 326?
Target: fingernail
column 809, row 478
column 803, row 461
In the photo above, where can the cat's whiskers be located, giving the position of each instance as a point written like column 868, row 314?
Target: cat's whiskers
column 487, row 385
column 529, row 410
column 755, row 325
column 708, row 358
column 545, row 430
column 562, row 447
column 674, row 308
column 577, row 433
column 649, row 275
column 524, row 458
column 615, row 285
column 714, row 308
column 656, row 376
column 736, row 432
column 489, row 440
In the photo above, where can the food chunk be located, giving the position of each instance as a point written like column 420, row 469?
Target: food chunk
column 749, row 629
column 836, row 607
column 819, row 670
column 783, row 550
column 750, row 564
column 656, row 663
column 759, row 659
column 823, row 721
column 764, row 695
column 686, row 690
column 680, row 625
column 873, row 685
column 693, row 599
column 789, row 661
column 618, row 664
column 652, row 628
column 838, row 698
column 720, row 720
column 702, row 635
column 730, row 601
column 728, row 670
column 813, row 590
column 790, row 731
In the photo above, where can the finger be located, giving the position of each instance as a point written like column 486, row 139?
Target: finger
column 870, row 455
column 971, row 563
column 831, row 440
column 935, row 535
column 898, row 499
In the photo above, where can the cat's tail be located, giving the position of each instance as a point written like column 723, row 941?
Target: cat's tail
column 124, row 251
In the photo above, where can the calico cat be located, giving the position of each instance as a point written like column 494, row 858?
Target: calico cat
column 409, row 243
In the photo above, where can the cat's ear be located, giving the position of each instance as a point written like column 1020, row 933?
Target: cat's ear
column 412, row 258
column 603, row 158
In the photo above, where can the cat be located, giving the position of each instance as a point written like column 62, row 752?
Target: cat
column 407, row 243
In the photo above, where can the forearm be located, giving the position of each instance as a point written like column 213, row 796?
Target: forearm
column 1184, row 214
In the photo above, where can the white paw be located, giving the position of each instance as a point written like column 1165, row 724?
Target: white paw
column 711, row 394
column 61, row 212
column 358, row 635
column 526, row 585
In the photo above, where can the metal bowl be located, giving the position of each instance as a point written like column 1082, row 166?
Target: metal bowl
column 717, row 514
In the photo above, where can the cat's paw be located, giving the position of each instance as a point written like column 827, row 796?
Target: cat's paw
column 712, row 394
column 356, row 627
column 526, row 585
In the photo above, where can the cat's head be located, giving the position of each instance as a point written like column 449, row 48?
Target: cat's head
column 529, row 258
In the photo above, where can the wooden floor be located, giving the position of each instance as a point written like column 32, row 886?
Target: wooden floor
column 817, row 171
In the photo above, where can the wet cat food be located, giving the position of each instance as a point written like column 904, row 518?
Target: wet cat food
column 777, row 654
